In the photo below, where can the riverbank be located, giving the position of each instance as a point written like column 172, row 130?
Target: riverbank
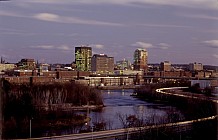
column 70, row 107
column 192, row 105
column 117, row 87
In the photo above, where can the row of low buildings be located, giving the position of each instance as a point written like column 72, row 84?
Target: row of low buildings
column 166, row 66
column 126, row 78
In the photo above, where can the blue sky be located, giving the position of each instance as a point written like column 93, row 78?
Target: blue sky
column 179, row 31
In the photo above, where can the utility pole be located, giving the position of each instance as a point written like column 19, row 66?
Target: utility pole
column 92, row 132
column 1, row 109
column 127, row 136
column 30, row 127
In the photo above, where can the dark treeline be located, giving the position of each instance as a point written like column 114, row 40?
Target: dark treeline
column 48, row 106
column 192, row 108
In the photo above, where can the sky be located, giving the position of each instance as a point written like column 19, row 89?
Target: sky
column 179, row 31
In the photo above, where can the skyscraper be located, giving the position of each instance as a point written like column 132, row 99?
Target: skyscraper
column 28, row 64
column 141, row 60
column 165, row 66
column 123, row 64
column 195, row 66
column 102, row 64
column 83, row 57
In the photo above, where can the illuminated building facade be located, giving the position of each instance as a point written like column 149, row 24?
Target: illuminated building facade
column 165, row 66
column 83, row 57
column 141, row 60
column 102, row 64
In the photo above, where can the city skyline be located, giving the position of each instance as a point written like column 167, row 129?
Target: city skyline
column 49, row 30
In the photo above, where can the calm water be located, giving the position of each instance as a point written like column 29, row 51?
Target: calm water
column 119, row 102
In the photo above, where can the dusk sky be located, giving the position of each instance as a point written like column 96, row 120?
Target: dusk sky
column 179, row 31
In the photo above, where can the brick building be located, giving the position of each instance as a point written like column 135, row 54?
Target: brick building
column 102, row 64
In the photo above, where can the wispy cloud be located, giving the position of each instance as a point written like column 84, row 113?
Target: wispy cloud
column 200, row 16
column 211, row 4
column 64, row 48
column 211, row 43
column 6, row 31
column 163, row 46
column 72, row 20
column 50, row 17
column 164, row 26
column 44, row 47
column 97, row 46
column 52, row 47
column 143, row 45
column 215, row 56
column 10, row 14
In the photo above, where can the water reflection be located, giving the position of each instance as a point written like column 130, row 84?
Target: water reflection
column 123, row 92
column 119, row 102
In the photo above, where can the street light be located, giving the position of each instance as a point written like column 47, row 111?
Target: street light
column 91, row 129
column 127, row 137
column 30, row 126
column 92, row 132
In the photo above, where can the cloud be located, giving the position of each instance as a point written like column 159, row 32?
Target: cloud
column 142, row 45
column 50, row 17
column 44, row 47
column 7, row 31
column 49, row 1
column 72, row 20
column 209, row 4
column 164, row 25
column 47, row 17
column 10, row 14
column 97, row 46
column 200, row 16
column 64, row 48
column 163, row 46
column 215, row 55
column 52, row 47
column 211, row 43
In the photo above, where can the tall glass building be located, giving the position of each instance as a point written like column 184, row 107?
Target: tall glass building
column 123, row 64
column 83, row 57
column 141, row 60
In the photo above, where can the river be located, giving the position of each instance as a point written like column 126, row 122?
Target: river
column 119, row 103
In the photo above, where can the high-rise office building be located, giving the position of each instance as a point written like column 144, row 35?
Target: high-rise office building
column 27, row 64
column 83, row 57
column 195, row 66
column 102, row 64
column 141, row 60
column 165, row 66
column 123, row 64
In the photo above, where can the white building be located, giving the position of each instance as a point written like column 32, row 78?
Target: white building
column 195, row 66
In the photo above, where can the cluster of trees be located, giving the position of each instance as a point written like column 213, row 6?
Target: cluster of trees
column 25, row 102
column 197, row 130
column 191, row 108
column 196, row 89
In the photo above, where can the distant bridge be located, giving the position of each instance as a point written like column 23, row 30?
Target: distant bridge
column 181, row 77
column 184, row 94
